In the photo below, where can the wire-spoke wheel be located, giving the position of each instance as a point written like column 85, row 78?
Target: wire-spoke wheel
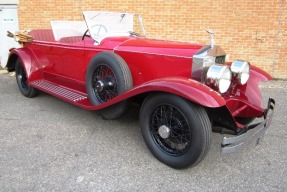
column 176, row 131
column 108, row 76
column 22, row 81
column 104, row 83
column 170, row 129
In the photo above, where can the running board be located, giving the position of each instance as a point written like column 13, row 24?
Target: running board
column 58, row 91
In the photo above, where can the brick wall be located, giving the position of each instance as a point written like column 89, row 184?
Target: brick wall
column 245, row 29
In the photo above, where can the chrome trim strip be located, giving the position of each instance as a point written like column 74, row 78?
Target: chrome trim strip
column 58, row 91
column 115, row 49
column 255, row 132
column 129, row 51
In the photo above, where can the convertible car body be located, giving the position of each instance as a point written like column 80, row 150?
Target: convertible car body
column 185, row 90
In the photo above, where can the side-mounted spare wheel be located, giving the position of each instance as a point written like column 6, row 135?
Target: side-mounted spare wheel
column 176, row 131
column 107, row 76
column 22, row 80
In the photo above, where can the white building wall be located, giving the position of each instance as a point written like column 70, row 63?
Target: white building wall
column 8, row 22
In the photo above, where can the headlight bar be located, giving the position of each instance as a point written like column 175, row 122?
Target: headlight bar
column 220, row 77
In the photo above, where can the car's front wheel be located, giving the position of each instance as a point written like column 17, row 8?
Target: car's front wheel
column 176, row 131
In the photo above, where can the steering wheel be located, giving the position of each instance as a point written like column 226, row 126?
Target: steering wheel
column 100, row 27
column 85, row 34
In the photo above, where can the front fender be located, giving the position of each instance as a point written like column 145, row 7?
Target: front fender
column 186, row 88
column 33, row 71
column 260, row 75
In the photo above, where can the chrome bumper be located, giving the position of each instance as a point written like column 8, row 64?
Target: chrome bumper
column 255, row 132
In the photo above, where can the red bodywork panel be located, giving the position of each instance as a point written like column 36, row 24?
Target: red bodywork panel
column 245, row 101
column 156, row 66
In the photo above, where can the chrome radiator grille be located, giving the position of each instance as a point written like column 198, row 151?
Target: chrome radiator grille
column 220, row 59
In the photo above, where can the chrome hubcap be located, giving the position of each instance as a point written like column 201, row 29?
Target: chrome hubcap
column 99, row 85
column 164, row 131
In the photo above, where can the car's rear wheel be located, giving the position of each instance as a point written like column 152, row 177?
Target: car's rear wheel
column 22, row 81
column 176, row 131
column 108, row 76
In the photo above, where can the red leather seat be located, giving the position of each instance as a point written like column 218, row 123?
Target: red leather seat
column 73, row 39
column 42, row 34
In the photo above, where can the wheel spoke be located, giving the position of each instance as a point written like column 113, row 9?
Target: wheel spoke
column 180, row 134
column 105, row 74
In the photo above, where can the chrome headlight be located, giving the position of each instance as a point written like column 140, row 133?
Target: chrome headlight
column 219, row 77
column 240, row 71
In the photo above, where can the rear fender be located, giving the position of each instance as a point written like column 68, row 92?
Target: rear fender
column 33, row 71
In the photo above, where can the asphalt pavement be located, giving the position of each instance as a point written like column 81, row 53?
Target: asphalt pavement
column 49, row 145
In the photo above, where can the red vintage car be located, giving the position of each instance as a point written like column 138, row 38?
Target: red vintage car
column 185, row 90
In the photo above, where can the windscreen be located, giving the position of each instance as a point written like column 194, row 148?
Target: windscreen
column 68, row 28
column 103, row 23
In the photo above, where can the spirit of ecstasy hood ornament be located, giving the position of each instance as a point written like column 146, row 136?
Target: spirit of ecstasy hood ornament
column 210, row 32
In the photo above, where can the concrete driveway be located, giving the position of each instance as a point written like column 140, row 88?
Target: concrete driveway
column 49, row 145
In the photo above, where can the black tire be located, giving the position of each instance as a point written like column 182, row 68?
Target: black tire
column 176, row 131
column 22, row 81
column 107, row 76
column 115, row 111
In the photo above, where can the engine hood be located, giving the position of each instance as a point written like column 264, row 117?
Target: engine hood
column 159, row 47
